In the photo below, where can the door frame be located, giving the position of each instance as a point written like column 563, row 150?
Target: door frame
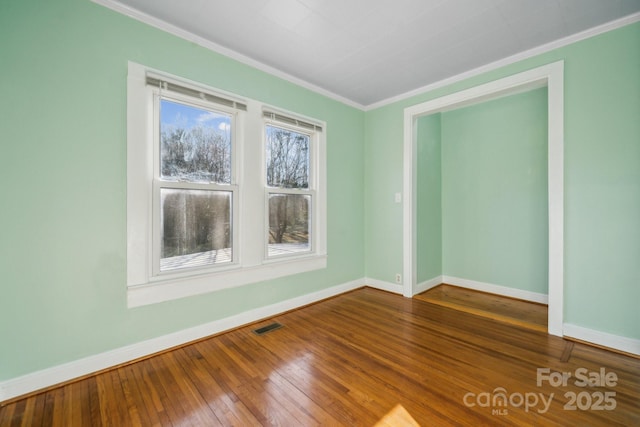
column 550, row 76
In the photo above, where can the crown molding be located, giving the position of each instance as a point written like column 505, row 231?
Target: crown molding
column 201, row 41
column 207, row 44
column 583, row 35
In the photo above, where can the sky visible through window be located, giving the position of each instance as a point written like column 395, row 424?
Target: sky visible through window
column 187, row 117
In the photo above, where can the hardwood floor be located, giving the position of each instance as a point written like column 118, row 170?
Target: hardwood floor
column 361, row 358
column 508, row 310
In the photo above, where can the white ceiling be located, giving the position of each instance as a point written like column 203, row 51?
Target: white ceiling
column 369, row 51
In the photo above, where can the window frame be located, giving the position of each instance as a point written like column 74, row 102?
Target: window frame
column 159, row 184
column 309, row 191
column 250, row 263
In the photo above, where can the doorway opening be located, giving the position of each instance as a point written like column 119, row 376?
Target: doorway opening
column 549, row 76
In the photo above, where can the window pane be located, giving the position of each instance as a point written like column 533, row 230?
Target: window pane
column 195, row 227
column 288, row 224
column 287, row 158
column 195, row 144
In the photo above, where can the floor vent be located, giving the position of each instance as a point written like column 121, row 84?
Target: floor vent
column 268, row 328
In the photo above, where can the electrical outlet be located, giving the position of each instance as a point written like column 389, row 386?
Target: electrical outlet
column 398, row 278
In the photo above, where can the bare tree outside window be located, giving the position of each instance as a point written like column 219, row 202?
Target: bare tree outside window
column 195, row 224
column 287, row 158
column 195, row 228
column 287, row 165
column 195, row 144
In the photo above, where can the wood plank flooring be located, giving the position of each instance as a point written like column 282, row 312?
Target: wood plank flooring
column 508, row 310
column 359, row 359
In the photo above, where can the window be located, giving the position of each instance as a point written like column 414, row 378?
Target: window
column 289, row 195
column 221, row 191
column 193, row 184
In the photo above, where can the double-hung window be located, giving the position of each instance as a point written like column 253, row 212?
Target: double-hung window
column 290, row 148
column 194, row 189
column 221, row 190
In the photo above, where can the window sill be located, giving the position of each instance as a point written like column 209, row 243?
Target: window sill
column 175, row 288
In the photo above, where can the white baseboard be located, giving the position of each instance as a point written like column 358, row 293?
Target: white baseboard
column 497, row 289
column 616, row 342
column 396, row 288
column 68, row 371
column 428, row 284
column 35, row 381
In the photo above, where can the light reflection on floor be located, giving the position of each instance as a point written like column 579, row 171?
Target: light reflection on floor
column 397, row 417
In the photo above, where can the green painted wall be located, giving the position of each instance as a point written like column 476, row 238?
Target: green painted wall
column 383, row 177
column 63, row 153
column 482, row 210
column 602, row 201
column 602, row 178
column 494, row 192
column 429, row 195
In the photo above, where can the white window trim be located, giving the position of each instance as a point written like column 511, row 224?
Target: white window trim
column 250, row 264
column 158, row 184
column 314, row 145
